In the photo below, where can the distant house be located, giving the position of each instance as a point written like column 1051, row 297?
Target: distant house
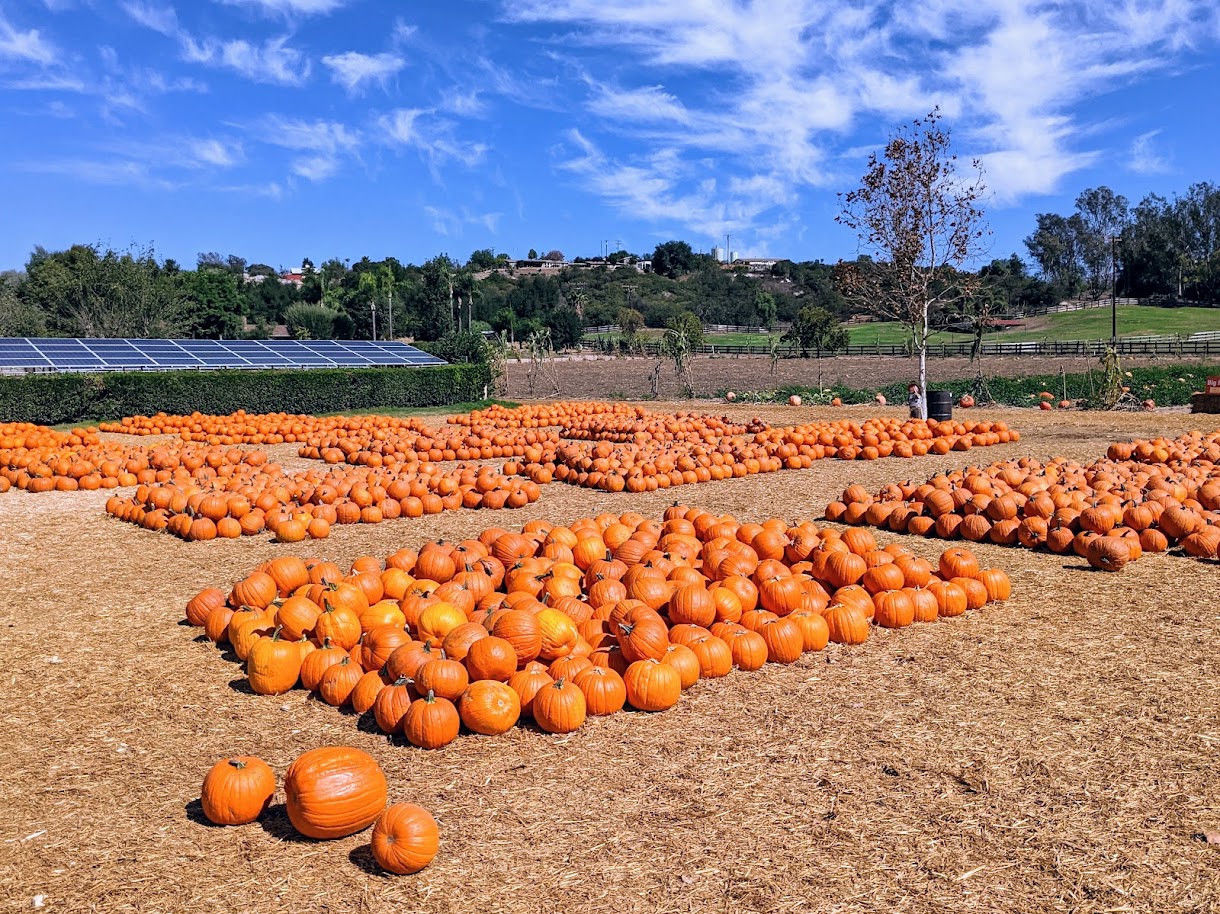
column 293, row 277
column 540, row 266
column 753, row 265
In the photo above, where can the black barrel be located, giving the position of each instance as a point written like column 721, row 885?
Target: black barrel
column 940, row 405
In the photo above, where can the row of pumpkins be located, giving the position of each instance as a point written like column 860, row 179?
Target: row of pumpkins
column 558, row 623
column 330, row 792
column 1144, row 496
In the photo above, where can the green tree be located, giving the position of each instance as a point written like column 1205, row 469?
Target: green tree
column 816, row 329
column 673, row 259
column 566, row 327
column 215, row 302
column 1055, row 246
column 87, row 292
column 434, row 303
column 482, row 259
column 18, row 317
column 310, row 322
column 689, row 326
column 764, row 306
column 1104, row 217
column 923, row 221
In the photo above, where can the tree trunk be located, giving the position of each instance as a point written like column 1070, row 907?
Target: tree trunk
column 923, row 366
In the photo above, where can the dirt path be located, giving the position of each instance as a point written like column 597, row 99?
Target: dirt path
column 628, row 378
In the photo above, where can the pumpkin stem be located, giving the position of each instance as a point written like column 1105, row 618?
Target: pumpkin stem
column 430, row 698
column 237, row 763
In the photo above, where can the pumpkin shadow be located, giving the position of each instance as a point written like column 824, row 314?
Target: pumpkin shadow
column 367, row 723
column 229, row 655
column 362, row 857
column 194, row 812
column 241, row 685
column 276, row 823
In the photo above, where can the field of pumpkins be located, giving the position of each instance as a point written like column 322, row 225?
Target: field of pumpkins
column 637, row 668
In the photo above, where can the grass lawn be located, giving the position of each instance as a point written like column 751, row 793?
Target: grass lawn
column 1092, row 324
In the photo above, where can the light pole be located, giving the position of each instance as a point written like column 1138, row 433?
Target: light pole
column 1114, row 291
column 373, row 311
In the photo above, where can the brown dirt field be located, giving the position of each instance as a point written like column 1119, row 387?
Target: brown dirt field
column 614, row 378
column 1055, row 753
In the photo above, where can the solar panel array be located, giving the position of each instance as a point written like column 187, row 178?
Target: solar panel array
column 19, row 354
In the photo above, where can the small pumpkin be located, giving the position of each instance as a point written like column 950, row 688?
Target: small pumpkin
column 237, row 790
column 603, row 688
column 405, row 839
column 559, row 707
column 652, row 685
column 489, row 707
column 431, row 722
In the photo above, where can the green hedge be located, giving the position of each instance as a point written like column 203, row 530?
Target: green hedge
column 54, row 399
column 1169, row 386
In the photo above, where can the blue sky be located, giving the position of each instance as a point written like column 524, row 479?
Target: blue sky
column 278, row 129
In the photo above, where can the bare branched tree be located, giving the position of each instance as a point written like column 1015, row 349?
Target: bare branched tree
column 542, row 362
column 921, row 222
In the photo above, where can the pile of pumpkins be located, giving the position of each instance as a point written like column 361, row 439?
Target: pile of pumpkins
column 1144, row 496
column 257, row 497
column 330, row 792
column 39, row 459
column 559, row 623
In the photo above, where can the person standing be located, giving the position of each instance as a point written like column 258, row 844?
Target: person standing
column 915, row 400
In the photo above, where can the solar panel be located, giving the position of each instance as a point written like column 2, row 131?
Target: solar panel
column 69, row 354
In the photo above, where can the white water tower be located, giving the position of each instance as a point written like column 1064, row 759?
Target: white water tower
column 718, row 254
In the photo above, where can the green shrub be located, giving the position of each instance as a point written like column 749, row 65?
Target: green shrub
column 1169, row 385
column 54, row 399
column 468, row 346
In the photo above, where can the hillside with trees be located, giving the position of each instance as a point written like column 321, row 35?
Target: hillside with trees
column 1163, row 249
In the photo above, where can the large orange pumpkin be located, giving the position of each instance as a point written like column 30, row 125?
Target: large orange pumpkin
column 334, row 791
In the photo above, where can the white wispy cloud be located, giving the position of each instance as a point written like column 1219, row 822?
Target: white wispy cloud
column 773, row 91
column 354, row 71
column 25, row 45
column 46, row 84
column 289, row 7
column 662, row 188
column 163, row 19
column 1145, row 158
column 273, row 61
column 435, row 138
column 324, row 144
column 117, row 172
column 449, row 222
column 215, row 153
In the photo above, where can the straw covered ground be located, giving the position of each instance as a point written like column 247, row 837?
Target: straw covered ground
column 1056, row 753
